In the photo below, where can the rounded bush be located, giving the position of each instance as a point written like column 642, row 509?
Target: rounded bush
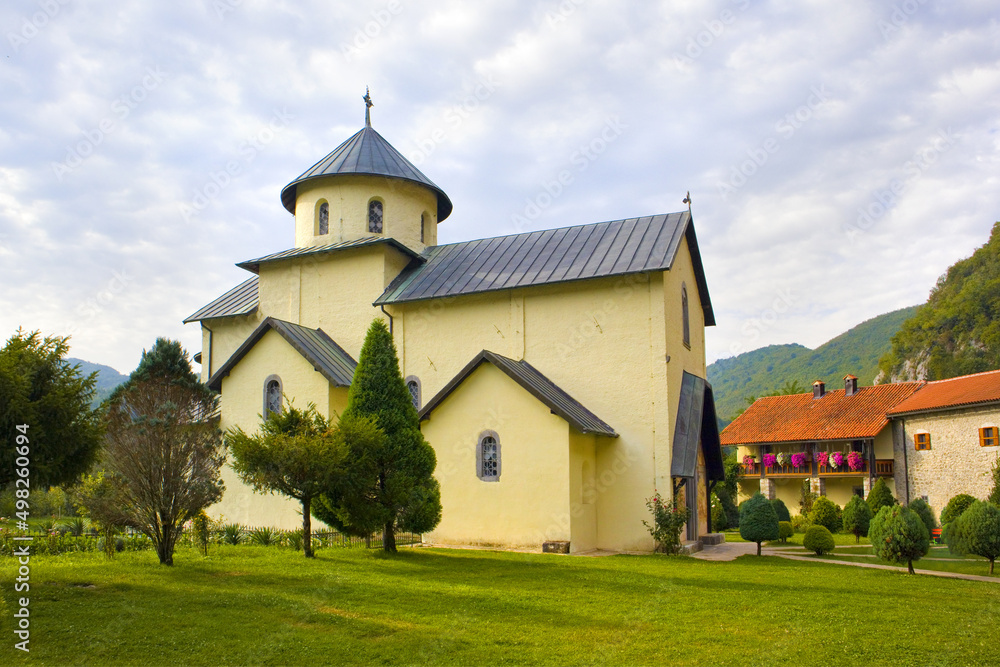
column 826, row 513
column 819, row 540
column 781, row 510
column 785, row 530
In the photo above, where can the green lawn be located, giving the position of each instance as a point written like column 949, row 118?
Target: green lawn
column 262, row 605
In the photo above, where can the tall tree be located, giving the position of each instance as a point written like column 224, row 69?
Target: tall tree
column 40, row 389
column 389, row 481
column 163, row 450
column 295, row 453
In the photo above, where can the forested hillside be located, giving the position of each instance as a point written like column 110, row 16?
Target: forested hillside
column 856, row 352
column 107, row 378
column 957, row 332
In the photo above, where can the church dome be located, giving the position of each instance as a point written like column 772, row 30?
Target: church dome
column 366, row 153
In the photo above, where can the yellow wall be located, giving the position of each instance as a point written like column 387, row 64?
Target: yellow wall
column 227, row 334
column 530, row 504
column 583, row 489
column 242, row 404
column 403, row 205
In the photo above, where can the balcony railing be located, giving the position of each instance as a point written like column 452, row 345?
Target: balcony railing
column 883, row 468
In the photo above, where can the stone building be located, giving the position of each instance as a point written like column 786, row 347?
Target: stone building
column 948, row 441
column 559, row 374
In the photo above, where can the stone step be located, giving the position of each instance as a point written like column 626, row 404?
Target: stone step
column 713, row 538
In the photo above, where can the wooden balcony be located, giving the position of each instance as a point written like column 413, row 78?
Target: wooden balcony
column 883, row 468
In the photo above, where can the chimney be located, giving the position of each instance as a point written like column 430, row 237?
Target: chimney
column 850, row 385
column 819, row 389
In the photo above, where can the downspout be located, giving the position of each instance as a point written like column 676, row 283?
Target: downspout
column 384, row 312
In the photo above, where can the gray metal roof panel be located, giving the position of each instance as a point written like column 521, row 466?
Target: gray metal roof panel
column 241, row 300
column 619, row 247
column 366, row 153
column 328, row 358
column 254, row 264
column 535, row 383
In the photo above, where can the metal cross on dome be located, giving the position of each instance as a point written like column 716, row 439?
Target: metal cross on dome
column 368, row 107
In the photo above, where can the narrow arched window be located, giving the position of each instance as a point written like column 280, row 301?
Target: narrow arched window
column 685, row 317
column 375, row 216
column 488, row 457
column 423, row 227
column 272, row 396
column 324, row 219
column 413, row 386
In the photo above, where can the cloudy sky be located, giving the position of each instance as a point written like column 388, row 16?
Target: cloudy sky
column 840, row 154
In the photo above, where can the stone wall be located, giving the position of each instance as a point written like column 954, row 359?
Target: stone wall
column 955, row 463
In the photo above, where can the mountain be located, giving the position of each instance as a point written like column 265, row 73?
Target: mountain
column 107, row 378
column 772, row 368
column 957, row 332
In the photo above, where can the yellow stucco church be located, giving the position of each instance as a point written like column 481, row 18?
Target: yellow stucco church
column 559, row 375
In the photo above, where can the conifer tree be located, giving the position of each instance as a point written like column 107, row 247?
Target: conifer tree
column 899, row 536
column 389, row 481
column 857, row 517
column 977, row 531
column 994, row 496
column 924, row 511
column 880, row 496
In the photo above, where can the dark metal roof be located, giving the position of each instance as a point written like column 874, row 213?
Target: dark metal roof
column 336, row 365
column 536, row 384
column 254, row 264
column 696, row 424
column 241, row 300
column 367, row 152
column 597, row 250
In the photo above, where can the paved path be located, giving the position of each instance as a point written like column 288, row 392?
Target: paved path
column 733, row 550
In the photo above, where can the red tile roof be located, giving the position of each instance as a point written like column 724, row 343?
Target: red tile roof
column 956, row 392
column 801, row 418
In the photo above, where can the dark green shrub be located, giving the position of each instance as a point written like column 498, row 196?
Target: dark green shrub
column 719, row 522
column 880, row 496
column 925, row 513
column 955, row 507
column 857, row 517
column 899, row 536
column 758, row 522
column 265, row 537
column 826, row 513
column 978, row 531
column 785, row 530
column 818, row 539
column 780, row 510
column 668, row 520
column 728, row 502
column 994, row 496
column 294, row 539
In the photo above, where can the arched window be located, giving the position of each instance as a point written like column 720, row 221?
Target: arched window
column 488, row 457
column 272, row 396
column 323, row 226
column 375, row 216
column 685, row 317
column 413, row 386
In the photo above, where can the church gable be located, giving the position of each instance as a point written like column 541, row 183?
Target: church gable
column 313, row 345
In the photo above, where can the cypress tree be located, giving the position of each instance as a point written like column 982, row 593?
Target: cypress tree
column 899, row 536
column 924, row 511
column 857, row 517
column 388, row 482
column 979, row 531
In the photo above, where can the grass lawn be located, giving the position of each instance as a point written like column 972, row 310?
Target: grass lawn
column 257, row 605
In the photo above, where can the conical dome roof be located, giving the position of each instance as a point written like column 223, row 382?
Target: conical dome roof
column 368, row 153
